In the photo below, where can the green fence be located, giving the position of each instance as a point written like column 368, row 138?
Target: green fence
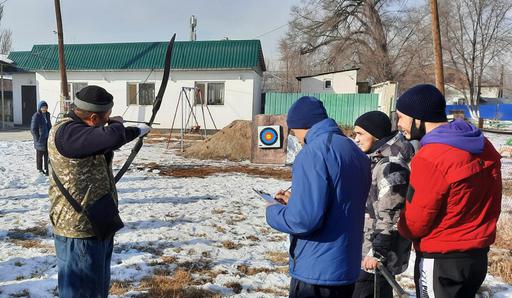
column 344, row 108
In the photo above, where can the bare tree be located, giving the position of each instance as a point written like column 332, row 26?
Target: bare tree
column 5, row 42
column 477, row 34
column 380, row 36
column 5, row 36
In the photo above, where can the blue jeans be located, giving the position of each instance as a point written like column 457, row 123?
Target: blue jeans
column 84, row 266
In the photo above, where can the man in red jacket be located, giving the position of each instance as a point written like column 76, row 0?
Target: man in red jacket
column 454, row 197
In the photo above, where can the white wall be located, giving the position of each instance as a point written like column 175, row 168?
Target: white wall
column 387, row 92
column 238, row 97
column 18, row 80
column 341, row 82
column 452, row 94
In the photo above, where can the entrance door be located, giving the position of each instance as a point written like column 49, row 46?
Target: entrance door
column 28, row 102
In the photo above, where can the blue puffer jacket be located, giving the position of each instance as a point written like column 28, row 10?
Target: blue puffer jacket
column 325, row 214
column 40, row 127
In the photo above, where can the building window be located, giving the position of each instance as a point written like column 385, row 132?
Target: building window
column 75, row 88
column 327, row 84
column 213, row 93
column 199, row 93
column 141, row 93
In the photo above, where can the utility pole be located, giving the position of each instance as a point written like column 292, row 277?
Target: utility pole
column 64, row 92
column 438, row 54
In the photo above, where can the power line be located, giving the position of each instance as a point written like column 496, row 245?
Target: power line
column 268, row 32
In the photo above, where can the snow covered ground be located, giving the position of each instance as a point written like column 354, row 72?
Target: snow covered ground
column 213, row 227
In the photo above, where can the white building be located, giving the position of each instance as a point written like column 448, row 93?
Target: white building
column 344, row 81
column 228, row 73
column 456, row 96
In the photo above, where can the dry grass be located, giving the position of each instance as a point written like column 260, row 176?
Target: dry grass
column 265, row 230
column 255, row 270
column 253, row 238
column 504, row 232
column 238, row 218
column 277, row 238
column 500, row 257
column 119, row 288
column 38, row 231
column 500, row 264
column 507, row 188
column 230, row 245
column 198, row 266
column 219, row 229
column 179, row 284
column 252, row 271
column 277, row 257
column 166, row 286
column 151, row 249
column 275, row 292
column 24, row 293
column 32, row 243
column 236, row 287
column 283, row 173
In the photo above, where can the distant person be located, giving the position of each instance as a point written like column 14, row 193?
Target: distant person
column 81, row 149
column 454, row 198
column 389, row 154
column 324, row 214
column 40, row 127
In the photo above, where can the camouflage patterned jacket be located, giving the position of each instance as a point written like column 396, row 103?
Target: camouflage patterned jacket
column 390, row 180
column 87, row 179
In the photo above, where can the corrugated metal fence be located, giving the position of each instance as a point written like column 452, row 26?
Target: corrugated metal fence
column 344, row 108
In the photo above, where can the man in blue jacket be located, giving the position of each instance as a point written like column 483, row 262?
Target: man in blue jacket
column 40, row 127
column 324, row 214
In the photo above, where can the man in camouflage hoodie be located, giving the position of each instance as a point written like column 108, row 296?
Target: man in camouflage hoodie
column 390, row 154
column 80, row 150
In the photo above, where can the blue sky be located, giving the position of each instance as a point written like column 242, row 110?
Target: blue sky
column 93, row 21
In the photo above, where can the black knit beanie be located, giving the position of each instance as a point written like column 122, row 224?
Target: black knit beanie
column 423, row 102
column 94, row 99
column 375, row 123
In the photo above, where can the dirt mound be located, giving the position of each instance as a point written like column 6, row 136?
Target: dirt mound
column 232, row 143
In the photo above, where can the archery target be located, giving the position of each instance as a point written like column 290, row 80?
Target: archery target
column 269, row 136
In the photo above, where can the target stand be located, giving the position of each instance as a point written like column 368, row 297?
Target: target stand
column 269, row 134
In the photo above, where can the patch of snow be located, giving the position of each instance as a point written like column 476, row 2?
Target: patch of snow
column 190, row 219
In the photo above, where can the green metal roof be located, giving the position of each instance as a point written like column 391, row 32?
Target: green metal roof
column 187, row 55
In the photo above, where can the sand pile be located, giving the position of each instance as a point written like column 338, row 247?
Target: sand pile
column 232, row 143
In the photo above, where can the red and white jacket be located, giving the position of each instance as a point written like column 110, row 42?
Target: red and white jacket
column 454, row 199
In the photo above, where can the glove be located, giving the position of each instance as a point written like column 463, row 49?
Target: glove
column 144, row 129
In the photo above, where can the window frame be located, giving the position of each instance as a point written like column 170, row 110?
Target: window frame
column 138, row 93
column 206, row 93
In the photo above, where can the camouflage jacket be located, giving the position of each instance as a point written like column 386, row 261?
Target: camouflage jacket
column 386, row 199
column 86, row 179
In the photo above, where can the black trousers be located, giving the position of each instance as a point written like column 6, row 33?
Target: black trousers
column 364, row 287
column 300, row 289
column 42, row 158
column 459, row 277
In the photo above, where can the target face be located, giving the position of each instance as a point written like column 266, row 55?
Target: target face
column 269, row 137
